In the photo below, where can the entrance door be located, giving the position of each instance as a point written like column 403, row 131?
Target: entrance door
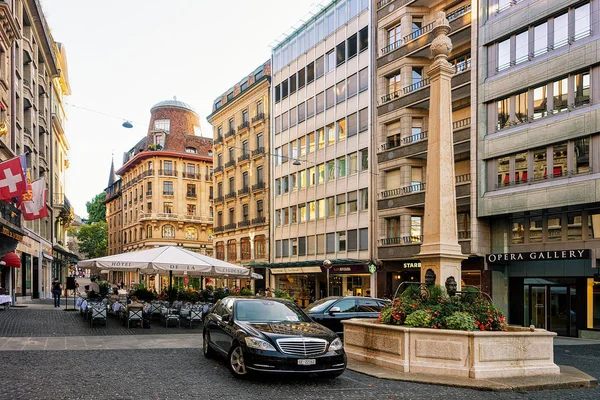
column 538, row 306
column 35, row 294
column 559, row 310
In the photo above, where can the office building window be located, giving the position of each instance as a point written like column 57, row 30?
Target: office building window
column 330, row 134
column 503, row 114
column 310, row 108
column 301, row 112
column 340, row 53
column 540, row 39
column 168, row 188
column 582, row 88
column 292, row 83
column 560, row 93
column 320, row 66
column 321, row 138
column 340, row 92
column 363, row 197
column 340, row 201
column 582, row 21
column 363, row 120
column 320, row 102
column 330, row 243
column 310, row 72
column 311, row 142
column 341, row 129
column 352, row 201
column 363, row 236
column 329, row 97
column 301, row 78
column 330, row 60
column 504, row 55
column 341, row 164
column 539, row 102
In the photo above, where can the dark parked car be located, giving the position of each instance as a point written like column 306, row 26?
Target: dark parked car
column 331, row 311
column 270, row 335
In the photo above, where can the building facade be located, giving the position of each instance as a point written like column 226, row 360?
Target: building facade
column 240, row 121
column 165, row 187
column 114, row 213
column 538, row 160
column 63, row 212
column 403, row 36
column 321, row 158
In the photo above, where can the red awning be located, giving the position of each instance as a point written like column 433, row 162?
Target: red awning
column 12, row 260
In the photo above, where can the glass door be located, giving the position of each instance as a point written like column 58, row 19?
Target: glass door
column 538, row 306
column 559, row 310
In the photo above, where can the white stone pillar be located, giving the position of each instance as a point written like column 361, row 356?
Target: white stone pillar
column 440, row 250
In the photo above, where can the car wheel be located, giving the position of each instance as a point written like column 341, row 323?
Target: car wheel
column 237, row 366
column 206, row 349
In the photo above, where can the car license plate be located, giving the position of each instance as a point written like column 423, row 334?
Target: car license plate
column 309, row 361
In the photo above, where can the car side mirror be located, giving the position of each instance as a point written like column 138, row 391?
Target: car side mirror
column 226, row 318
column 334, row 310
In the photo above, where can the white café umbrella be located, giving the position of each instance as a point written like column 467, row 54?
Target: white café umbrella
column 173, row 259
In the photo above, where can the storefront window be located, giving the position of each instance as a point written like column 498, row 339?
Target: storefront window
column 471, row 278
column 535, row 230
column 574, row 226
column 415, row 229
column 518, row 230
column 595, row 320
column 554, row 228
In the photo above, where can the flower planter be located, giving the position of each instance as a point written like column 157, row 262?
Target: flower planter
column 477, row 354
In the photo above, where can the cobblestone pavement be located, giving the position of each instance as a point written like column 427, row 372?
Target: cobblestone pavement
column 52, row 322
column 175, row 373
column 185, row 374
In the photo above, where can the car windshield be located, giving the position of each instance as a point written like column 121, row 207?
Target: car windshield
column 268, row 311
column 321, row 305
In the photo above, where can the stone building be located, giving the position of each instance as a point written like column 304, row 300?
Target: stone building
column 538, row 153
column 165, row 188
column 240, row 121
column 321, row 141
column 403, row 37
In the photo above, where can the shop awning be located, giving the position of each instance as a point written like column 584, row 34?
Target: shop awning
column 11, row 260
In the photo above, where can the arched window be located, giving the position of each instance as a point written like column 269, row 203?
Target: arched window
column 191, row 150
column 231, row 250
column 260, row 247
column 245, row 248
column 191, row 233
column 168, row 232
column 149, row 232
column 220, row 250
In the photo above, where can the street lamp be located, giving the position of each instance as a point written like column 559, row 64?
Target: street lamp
column 327, row 266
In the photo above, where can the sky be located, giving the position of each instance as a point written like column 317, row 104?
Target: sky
column 124, row 56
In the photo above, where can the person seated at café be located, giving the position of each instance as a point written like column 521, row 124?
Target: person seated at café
column 134, row 305
column 114, row 296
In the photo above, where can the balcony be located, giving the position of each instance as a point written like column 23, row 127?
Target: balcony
column 10, row 213
column 219, row 199
column 401, row 240
column 204, row 219
column 146, row 173
column 415, row 146
column 243, row 224
column 259, row 221
column 464, row 178
column 464, row 235
column 229, row 164
column 190, row 175
column 244, row 125
column 258, row 186
column 229, row 134
column 208, row 177
column 243, row 157
column 218, row 140
column 190, row 195
column 243, row 191
column 259, row 117
column 414, row 188
column 406, row 90
column 167, row 193
column 167, row 172
column 218, row 229
column 141, row 197
column 383, row 9
column 231, row 226
column 218, row 169
column 230, row 195
column 417, row 43
column 258, row 152
column 149, row 193
column 61, row 201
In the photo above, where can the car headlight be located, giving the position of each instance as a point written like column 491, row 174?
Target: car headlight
column 259, row 344
column 336, row 344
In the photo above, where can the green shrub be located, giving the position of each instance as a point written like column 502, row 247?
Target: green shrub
column 246, row 292
column 282, row 295
column 419, row 319
column 104, row 287
column 461, row 321
column 439, row 308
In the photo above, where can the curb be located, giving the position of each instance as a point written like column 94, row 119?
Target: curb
column 569, row 378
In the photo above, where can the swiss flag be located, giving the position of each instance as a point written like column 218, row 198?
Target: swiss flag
column 36, row 208
column 12, row 179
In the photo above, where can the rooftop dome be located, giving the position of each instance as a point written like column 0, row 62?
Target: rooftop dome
column 173, row 103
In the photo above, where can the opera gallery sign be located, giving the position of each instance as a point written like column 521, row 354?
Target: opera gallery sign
column 538, row 256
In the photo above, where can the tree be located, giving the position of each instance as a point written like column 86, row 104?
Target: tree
column 93, row 239
column 96, row 208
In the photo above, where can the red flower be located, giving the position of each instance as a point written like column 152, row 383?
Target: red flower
column 481, row 327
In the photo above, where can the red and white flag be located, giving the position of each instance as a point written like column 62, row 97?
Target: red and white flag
column 36, row 208
column 12, row 179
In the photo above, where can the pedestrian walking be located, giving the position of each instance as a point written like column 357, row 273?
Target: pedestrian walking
column 56, row 291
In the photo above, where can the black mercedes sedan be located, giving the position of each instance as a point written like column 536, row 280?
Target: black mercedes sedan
column 331, row 311
column 259, row 334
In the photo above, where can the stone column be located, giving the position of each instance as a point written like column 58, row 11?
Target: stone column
column 440, row 250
